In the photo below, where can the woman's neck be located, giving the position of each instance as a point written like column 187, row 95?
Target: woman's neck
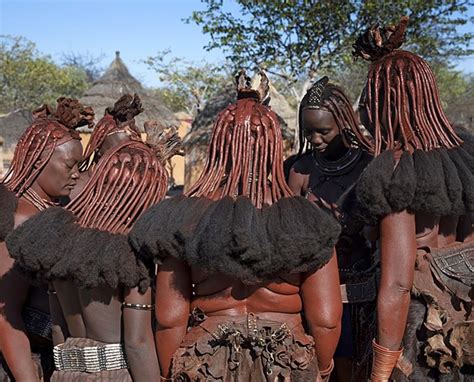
column 335, row 150
column 41, row 193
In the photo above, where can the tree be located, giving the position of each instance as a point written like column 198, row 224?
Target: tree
column 295, row 38
column 188, row 85
column 28, row 79
column 86, row 62
column 457, row 94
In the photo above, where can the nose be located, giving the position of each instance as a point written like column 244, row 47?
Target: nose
column 316, row 139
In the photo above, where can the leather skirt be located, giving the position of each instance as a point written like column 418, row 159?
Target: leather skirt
column 245, row 348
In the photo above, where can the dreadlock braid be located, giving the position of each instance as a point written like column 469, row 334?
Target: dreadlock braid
column 119, row 118
column 401, row 98
column 48, row 130
column 245, row 153
column 327, row 96
column 127, row 180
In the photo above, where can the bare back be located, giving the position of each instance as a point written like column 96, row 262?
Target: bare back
column 91, row 313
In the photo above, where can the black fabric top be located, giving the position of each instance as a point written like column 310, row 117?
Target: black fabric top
column 232, row 237
column 438, row 182
column 8, row 205
column 51, row 246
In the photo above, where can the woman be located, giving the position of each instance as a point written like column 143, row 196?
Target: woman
column 234, row 256
column 415, row 191
column 116, row 126
column 44, row 168
column 102, row 290
column 329, row 163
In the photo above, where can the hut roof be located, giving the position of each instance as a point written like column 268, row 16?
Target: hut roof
column 118, row 81
column 13, row 124
column 202, row 125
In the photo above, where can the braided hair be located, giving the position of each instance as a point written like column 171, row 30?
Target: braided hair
column 246, row 150
column 49, row 129
column 128, row 179
column 323, row 95
column 119, row 118
column 401, row 98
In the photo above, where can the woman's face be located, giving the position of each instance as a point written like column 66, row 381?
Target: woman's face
column 320, row 129
column 60, row 174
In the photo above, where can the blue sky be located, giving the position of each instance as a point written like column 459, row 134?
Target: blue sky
column 137, row 28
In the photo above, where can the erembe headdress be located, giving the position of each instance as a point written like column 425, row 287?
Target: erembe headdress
column 314, row 95
column 240, row 218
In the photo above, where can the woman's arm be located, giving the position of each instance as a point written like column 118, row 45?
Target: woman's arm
column 14, row 343
column 297, row 181
column 397, row 261
column 173, row 296
column 139, row 341
column 59, row 326
column 322, row 306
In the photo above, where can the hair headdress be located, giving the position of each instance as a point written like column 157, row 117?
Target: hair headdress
column 314, row 95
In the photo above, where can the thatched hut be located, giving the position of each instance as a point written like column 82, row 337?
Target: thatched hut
column 118, row 81
column 197, row 140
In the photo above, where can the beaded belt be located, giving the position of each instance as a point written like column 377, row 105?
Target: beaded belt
column 90, row 359
column 37, row 322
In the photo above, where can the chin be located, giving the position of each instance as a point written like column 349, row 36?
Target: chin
column 64, row 192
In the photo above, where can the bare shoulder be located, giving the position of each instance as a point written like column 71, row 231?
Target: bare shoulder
column 299, row 175
column 303, row 166
column 24, row 211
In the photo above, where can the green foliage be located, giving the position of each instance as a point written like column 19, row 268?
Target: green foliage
column 187, row 85
column 302, row 37
column 457, row 93
column 28, row 79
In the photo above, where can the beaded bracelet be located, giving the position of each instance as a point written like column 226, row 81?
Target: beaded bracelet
column 138, row 306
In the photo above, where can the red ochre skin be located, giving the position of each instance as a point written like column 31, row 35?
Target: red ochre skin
column 180, row 288
column 130, row 171
column 400, row 106
column 56, row 179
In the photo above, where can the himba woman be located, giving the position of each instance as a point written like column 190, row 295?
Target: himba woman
column 44, row 168
column 116, row 126
column 415, row 191
column 240, row 259
column 329, row 163
column 101, row 290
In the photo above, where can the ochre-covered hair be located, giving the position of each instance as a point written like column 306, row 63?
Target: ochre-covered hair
column 49, row 129
column 326, row 96
column 401, row 98
column 127, row 180
column 119, row 118
column 245, row 154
